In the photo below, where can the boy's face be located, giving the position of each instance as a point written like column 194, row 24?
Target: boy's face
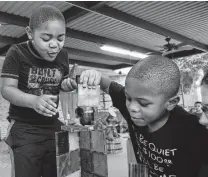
column 198, row 107
column 204, row 94
column 48, row 39
column 144, row 106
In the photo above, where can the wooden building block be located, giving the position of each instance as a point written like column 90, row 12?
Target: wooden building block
column 62, row 142
column 74, row 160
column 99, row 162
column 74, row 128
column 93, row 140
column 75, row 174
column 86, row 174
column 73, row 141
column 98, row 141
column 63, row 165
column 86, row 160
column 85, row 140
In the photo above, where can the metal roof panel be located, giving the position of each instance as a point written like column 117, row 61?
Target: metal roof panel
column 188, row 18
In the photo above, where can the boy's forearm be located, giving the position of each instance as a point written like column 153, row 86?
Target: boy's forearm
column 17, row 97
column 105, row 83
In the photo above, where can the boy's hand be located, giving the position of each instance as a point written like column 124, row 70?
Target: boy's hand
column 45, row 105
column 90, row 78
column 68, row 84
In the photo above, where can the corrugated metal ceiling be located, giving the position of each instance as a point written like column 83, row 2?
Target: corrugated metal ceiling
column 104, row 26
column 188, row 18
column 12, row 30
column 25, row 8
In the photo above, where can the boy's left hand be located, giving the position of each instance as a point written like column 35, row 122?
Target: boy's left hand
column 68, row 84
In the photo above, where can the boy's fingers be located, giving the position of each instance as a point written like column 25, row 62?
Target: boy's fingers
column 74, row 84
column 97, row 79
column 91, row 79
column 85, row 80
column 44, row 111
column 82, row 76
column 51, row 101
column 50, row 105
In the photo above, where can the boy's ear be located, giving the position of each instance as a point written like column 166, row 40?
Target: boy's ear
column 172, row 102
column 29, row 32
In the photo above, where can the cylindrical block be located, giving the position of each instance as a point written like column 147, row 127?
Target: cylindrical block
column 138, row 170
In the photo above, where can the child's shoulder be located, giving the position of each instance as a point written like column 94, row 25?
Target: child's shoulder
column 184, row 119
column 180, row 114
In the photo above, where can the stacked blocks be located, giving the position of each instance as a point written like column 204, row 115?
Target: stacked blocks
column 93, row 154
column 81, row 154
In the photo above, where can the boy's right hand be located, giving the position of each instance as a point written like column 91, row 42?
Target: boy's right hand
column 90, row 78
column 45, row 105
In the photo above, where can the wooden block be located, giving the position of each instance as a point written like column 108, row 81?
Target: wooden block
column 62, row 142
column 85, row 140
column 74, row 128
column 93, row 140
column 98, row 141
column 75, row 160
column 73, row 141
column 86, row 160
column 86, row 174
column 75, row 174
column 63, row 165
column 99, row 163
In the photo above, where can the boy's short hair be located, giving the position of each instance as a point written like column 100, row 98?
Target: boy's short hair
column 43, row 14
column 160, row 72
column 198, row 102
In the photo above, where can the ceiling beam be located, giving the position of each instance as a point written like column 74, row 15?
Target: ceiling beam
column 14, row 19
column 98, row 56
column 131, row 20
column 90, row 64
column 121, row 66
column 75, row 12
column 103, row 40
column 8, row 40
column 4, row 49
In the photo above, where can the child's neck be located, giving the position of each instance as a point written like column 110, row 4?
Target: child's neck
column 33, row 50
column 154, row 126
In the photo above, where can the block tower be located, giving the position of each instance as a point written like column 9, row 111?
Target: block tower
column 81, row 152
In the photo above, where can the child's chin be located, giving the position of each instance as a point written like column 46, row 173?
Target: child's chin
column 139, row 123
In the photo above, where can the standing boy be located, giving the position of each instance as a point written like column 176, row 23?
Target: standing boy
column 33, row 74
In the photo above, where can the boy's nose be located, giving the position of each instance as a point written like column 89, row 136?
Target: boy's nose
column 203, row 119
column 134, row 107
column 53, row 44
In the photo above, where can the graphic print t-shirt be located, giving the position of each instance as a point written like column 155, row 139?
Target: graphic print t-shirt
column 35, row 76
column 178, row 149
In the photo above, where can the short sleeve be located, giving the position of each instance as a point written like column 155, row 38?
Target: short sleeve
column 116, row 91
column 66, row 64
column 11, row 65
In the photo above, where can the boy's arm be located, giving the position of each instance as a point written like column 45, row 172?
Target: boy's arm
column 43, row 104
column 11, row 93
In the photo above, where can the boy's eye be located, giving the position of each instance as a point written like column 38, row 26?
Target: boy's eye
column 46, row 39
column 144, row 105
column 61, row 38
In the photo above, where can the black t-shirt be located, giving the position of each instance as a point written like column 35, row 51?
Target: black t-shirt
column 35, row 76
column 178, row 149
